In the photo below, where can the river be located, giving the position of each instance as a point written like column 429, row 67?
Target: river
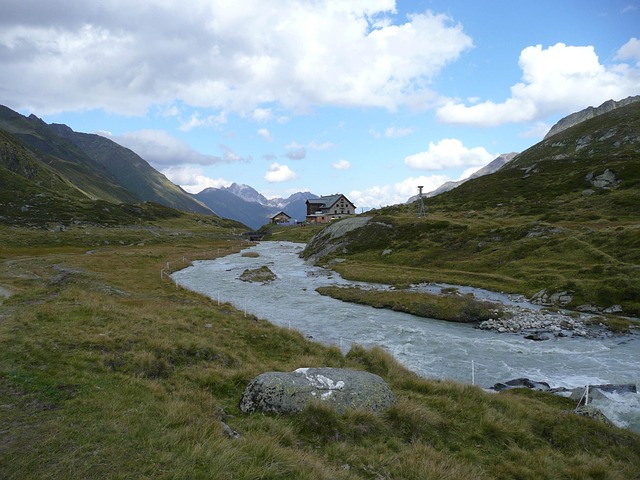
column 431, row 348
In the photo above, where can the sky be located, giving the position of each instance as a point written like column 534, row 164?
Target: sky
column 369, row 98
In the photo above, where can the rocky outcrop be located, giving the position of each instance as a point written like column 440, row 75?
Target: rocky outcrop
column 332, row 238
column 260, row 275
column 291, row 392
column 587, row 113
column 606, row 180
column 543, row 297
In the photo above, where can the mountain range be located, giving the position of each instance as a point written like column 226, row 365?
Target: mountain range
column 51, row 164
column 42, row 163
column 246, row 205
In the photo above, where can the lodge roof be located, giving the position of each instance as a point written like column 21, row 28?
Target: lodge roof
column 328, row 200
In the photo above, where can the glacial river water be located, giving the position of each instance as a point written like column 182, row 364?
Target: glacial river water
column 431, row 348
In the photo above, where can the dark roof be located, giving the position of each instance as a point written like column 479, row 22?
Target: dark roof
column 280, row 213
column 327, row 200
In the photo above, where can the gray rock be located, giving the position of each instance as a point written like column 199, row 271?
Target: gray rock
column 613, row 309
column 595, row 391
column 291, row 392
column 521, row 383
column 587, row 113
column 606, row 180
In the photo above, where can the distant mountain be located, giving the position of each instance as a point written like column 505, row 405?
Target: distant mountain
column 246, row 193
column 587, row 113
column 495, row 165
column 244, row 204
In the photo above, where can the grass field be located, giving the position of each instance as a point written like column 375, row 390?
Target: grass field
column 109, row 371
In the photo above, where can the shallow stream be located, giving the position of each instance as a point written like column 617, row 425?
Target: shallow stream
column 431, row 348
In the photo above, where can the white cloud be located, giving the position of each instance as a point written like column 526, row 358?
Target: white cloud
column 220, row 56
column 321, row 146
column 557, row 79
column 393, row 132
column 448, row 152
column 629, row 51
column 192, row 179
column 195, row 121
column 341, row 165
column 160, row 148
column 279, row 173
column 397, row 132
column 400, row 192
column 262, row 114
column 468, row 172
column 537, row 130
column 264, row 133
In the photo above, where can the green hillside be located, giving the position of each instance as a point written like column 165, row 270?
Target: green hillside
column 562, row 216
column 53, row 156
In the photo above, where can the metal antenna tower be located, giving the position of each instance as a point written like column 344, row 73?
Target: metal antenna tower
column 421, row 213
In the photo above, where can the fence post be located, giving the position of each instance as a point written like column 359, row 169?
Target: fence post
column 473, row 373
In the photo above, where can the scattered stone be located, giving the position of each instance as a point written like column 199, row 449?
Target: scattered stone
column 543, row 297
column 537, row 337
column 230, row 432
column 613, row 309
column 291, row 392
column 386, row 252
column 592, row 412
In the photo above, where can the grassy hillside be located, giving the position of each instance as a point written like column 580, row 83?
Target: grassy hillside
column 93, row 165
column 51, row 154
column 542, row 222
column 108, row 370
column 131, row 171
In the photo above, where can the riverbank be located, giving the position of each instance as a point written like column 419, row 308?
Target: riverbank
column 485, row 309
column 150, row 374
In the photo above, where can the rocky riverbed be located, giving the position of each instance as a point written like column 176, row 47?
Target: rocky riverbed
column 545, row 324
column 532, row 318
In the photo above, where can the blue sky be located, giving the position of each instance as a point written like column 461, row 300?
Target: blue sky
column 369, row 98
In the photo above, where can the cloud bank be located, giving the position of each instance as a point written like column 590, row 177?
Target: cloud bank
column 560, row 78
column 125, row 56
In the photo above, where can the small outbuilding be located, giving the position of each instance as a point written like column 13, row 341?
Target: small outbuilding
column 281, row 217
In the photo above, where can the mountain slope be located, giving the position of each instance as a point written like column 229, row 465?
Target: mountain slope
column 130, row 170
column 493, row 166
column 94, row 165
column 61, row 157
column 587, row 113
column 228, row 205
column 562, row 216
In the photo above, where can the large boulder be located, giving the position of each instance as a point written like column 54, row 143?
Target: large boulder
column 291, row 392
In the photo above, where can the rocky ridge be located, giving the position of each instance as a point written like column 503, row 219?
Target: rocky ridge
column 587, row 113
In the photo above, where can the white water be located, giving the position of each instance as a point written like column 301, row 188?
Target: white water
column 431, row 348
